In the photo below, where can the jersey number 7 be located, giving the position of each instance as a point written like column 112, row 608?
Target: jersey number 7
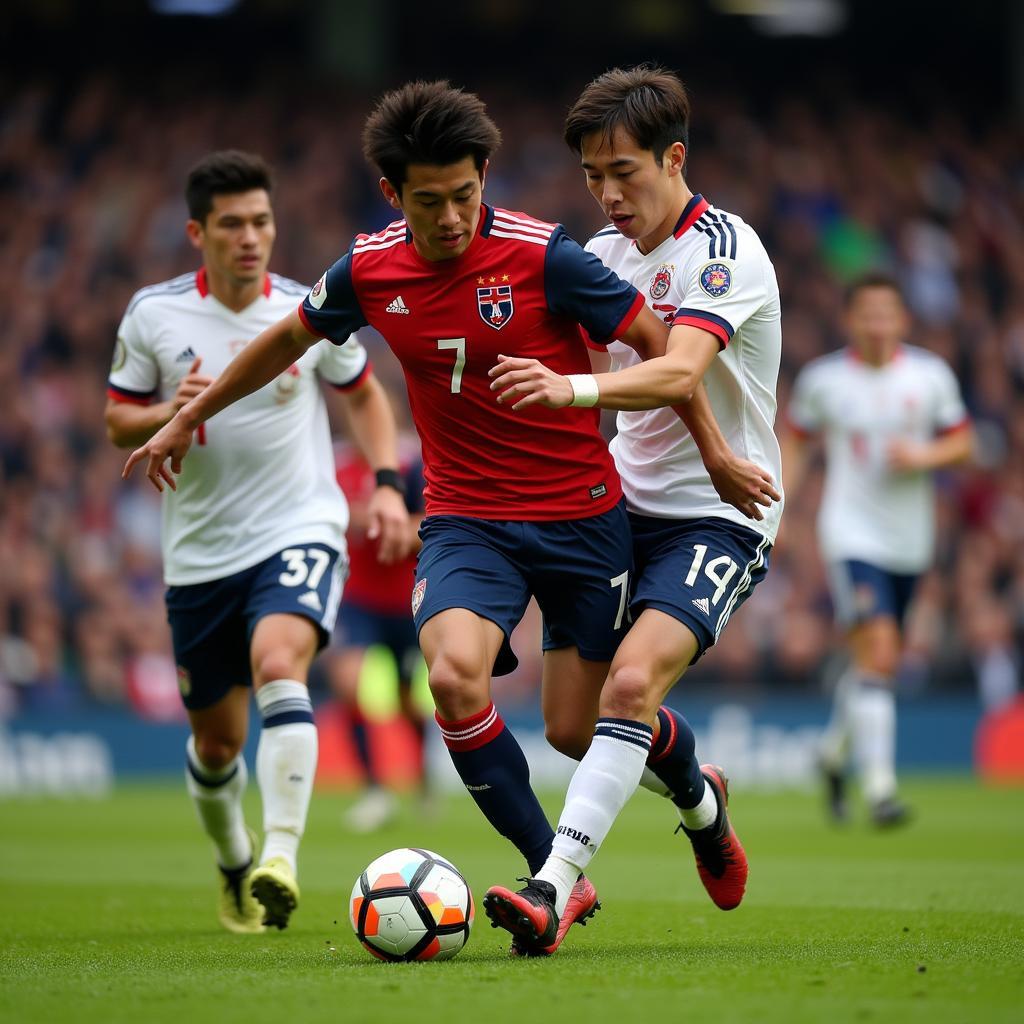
column 458, row 346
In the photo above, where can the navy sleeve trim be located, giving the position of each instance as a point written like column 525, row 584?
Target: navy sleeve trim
column 341, row 313
column 716, row 325
column 579, row 286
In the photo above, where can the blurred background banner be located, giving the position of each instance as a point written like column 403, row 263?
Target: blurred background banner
column 768, row 744
column 850, row 135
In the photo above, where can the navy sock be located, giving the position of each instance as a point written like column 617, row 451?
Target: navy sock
column 493, row 768
column 361, row 741
column 673, row 760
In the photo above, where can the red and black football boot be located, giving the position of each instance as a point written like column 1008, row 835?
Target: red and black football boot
column 528, row 914
column 582, row 905
column 721, row 861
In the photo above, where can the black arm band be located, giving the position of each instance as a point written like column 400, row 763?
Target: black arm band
column 390, row 478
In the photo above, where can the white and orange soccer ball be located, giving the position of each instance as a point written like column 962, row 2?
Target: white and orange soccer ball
column 411, row 904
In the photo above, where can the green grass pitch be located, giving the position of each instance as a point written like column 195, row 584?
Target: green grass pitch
column 107, row 915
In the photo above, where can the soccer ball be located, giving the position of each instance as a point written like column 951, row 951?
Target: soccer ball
column 411, row 904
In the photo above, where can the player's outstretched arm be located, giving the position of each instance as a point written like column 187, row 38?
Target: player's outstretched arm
column 270, row 354
column 663, row 380
column 376, row 434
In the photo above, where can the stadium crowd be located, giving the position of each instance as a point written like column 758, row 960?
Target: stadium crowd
column 91, row 210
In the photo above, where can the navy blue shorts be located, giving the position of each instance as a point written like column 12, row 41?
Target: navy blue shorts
column 362, row 627
column 578, row 570
column 861, row 591
column 212, row 623
column 699, row 571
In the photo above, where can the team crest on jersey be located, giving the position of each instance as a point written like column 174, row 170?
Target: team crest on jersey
column 716, row 279
column 417, row 595
column 495, row 305
column 662, row 281
column 318, row 296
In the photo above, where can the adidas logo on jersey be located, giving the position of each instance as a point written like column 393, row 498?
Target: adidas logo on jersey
column 186, row 355
column 311, row 600
column 397, row 306
column 703, row 605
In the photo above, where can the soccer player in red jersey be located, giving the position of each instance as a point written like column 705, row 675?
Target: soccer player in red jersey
column 516, row 504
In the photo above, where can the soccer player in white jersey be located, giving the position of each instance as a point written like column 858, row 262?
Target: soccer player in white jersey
column 254, row 528
column 697, row 558
column 890, row 414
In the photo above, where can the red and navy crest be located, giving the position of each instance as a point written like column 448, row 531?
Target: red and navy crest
column 661, row 282
column 495, row 305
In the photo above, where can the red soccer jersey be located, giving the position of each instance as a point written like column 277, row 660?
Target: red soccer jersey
column 520, row 289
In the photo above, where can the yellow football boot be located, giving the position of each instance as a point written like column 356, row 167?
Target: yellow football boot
column 274, row 885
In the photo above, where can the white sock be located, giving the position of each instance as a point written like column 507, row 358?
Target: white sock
column 602, row 783
column 217, row 795
column 835, row 741
column 562, row 875
column 705, row 813
column 873, row 720
column 285, row 766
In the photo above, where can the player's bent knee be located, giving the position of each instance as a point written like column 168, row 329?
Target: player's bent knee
column 216, row 751
column 628, row 693
column 459, row 687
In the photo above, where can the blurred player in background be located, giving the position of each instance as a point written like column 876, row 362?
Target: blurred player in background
column 890, row 414
column 516, row 503
column 253, row 530
column 697, row 557
column 375, row 611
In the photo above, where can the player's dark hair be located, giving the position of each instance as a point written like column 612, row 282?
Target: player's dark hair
column 648, row 102
column 872, row 279
column 427, row 123
column 226, row 172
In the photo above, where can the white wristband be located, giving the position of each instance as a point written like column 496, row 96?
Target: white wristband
column 585, row 392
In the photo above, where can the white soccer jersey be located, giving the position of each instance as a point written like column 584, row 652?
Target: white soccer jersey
column 868, row 512
column 711, row 272
column 260, row 474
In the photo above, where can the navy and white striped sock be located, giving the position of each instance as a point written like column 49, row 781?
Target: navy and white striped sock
column 285, row 765
column 605, row 779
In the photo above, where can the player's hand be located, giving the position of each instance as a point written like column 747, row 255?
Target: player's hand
column 389, row 525
column 744, row 485
column 172, row 441
column 190, row 385
column 523, row 382
column 906, row 456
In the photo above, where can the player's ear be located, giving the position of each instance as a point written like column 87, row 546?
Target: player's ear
column 483, row 173
column 674, row 160
column 389, row 193
column 194, row 230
